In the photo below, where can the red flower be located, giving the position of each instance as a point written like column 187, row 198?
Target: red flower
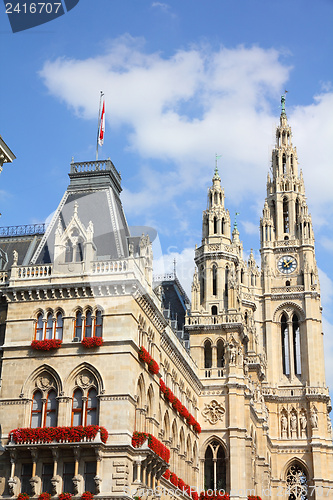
column 44, row 496
column 92, row 342
column 65, row 496
column 195, row 495
column 197, row 427
column 174, row 479
column 146, row 358
column 57, row 434
column 23, row 496
column 167, row 474
column 87, row 495
column 154, row 444
column 46, row 345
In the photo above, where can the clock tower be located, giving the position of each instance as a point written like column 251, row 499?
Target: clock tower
column 294, row 390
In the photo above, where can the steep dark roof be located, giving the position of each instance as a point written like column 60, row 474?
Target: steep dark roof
column 95, row 188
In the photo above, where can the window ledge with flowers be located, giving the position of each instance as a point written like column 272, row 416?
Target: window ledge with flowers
column 179, row 407
column 43, row 435
column 180, row 484
column 90, row 342
column 46, row 345
column 145, row 357
column 139, row 438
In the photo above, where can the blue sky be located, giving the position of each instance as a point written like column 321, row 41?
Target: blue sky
column 183, row 80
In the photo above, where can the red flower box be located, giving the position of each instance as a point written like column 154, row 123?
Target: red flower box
column 92, row 342
column 23, row 496
column 253, row 497
column 154, row 444
column 57, row 434
column 87, row 495
column 167, row 474
column 174, row 479
column 146, row 358
column 177, row 404
column 44, row 496
column 197, row 427
column 153, row 367
column 65, row 496
column 46, row 345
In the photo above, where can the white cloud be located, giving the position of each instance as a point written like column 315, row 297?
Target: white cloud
column 250, row 227
column 182, row 109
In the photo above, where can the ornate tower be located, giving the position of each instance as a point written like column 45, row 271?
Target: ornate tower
column 294, row 388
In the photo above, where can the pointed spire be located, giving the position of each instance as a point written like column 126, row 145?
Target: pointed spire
column 216, row 172
column 283, row 104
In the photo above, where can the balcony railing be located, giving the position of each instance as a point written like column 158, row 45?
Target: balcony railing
column 31, row 272
column 27, row 229
column 45, row 435
column 214, row 319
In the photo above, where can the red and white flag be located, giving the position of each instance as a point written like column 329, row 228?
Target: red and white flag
column 102, row 126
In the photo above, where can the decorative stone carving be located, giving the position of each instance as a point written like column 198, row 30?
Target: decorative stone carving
column 98, row 481
column 34, row 481
column 303, row 424
column 12, row 481
column 55, row 481
column 15, row 258
column 84, row 380
column 43, row 382
column 284, row 425
column 314, row 418
column 293, row 424
column 76, row 484
column 213, row 412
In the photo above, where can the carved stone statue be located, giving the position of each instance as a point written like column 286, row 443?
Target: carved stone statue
column 293, row 422
column 284, row 423
column 314, row 419
column 303, row 423
column 15, row 258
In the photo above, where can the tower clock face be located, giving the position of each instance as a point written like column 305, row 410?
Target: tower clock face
column 287, row 264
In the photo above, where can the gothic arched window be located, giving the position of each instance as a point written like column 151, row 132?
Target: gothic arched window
column 220, row 354
column 49, row 326
column 215, row 467
column 92, row 403
column 214, row 310
column 77, row 409
column 59, row 326
column 215, row 225
column 214, row 276
column 39, row 334
column 37, row 409
column 297, row 346
column 285, row 345
column 208, row 354
column 297, row 483
column 69, row 251
column 51, row 410
column 79, row 251
column 78, row 325
column 284, row 171
column 88, row 325
column 98, row 324
column 285, row 216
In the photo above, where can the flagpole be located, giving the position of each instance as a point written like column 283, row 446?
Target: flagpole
column 98, row 122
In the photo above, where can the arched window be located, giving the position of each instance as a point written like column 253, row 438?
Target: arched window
column 214, row 310
column 78, row 325
column 222, row 225
column 215, row 475
column 98, row 324
column 297, row 346
column 79, row 251
column 39, row 334
column 285, row 216
column 214, row 276
column 92, row 402
column 88, row 325
column 208, row 354
column 215, row 225
column 77, row 409
column 59, row 326
column 297, row 483
column 69, row 251
column 37, row 410
column 49, row 327
column 220, row 354
column 51, row 410
column 284, row 170
column 285, row 345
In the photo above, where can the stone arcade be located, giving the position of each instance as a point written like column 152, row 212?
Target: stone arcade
column 78, row 302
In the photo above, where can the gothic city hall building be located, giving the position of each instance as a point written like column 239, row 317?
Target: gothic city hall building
column 113, row 382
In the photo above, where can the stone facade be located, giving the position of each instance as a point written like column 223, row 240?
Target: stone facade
column 253, row 377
